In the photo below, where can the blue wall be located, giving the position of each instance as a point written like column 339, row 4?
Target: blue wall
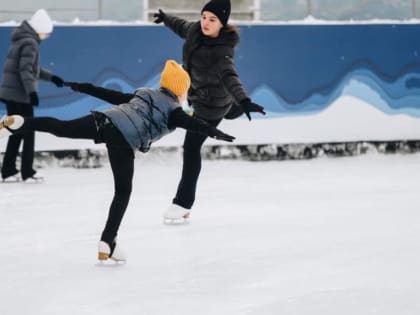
column 290, row 69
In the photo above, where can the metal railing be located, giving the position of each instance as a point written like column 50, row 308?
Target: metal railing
column 24, row 13
column 257, row 10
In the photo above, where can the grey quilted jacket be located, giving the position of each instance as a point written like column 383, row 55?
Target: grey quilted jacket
column 144, row 119
column 21, row 69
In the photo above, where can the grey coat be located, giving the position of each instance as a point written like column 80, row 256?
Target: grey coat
column 21, row 69
column 145, row 118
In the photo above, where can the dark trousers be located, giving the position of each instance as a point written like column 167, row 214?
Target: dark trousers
column 13, row 144
column 121, row 158
column 185, row 195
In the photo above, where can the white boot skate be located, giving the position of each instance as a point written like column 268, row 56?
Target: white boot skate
column 10, row 123
column 176, row 215
column 106, row 252
column 15, row 178
column 34, row 179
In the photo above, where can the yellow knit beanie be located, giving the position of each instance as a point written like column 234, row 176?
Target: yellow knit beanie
column 175, row 78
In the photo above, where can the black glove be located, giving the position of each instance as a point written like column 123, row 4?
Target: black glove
column 79, row 87
column 159, row 17
column 57, row 81
column 34, row 98
column 250, row 107
column 219, row 135
column 234, row 112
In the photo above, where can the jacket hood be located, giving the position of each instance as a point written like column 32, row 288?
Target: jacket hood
column 230, row 36
column 24, row 31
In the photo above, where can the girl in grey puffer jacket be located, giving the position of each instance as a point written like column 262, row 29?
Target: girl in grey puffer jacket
column 139, row 120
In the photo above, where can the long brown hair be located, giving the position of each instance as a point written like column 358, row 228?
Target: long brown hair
column 231, row 28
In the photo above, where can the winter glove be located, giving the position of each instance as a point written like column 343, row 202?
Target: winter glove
column 57, row 81
column 34, row 100
column 234, row 112
column 219, row 135
column 159, row 17
column 79, row 87
column 249, row 107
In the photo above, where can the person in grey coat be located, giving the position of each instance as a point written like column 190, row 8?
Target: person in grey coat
column 19, row 90
column 139, row 120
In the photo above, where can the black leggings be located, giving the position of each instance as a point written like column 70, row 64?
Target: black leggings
column 122, row 165
column 121, row 158
column 80, row 128
column 13, row 144
column 191, row 167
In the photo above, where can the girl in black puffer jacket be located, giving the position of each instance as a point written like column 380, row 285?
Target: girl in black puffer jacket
column 216, row 91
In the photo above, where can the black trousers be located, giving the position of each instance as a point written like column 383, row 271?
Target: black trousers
column 191, row 168
column 120, row 154
column 14, row 142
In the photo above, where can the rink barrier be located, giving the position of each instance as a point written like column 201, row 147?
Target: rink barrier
column 89, row 158
column 318, row 82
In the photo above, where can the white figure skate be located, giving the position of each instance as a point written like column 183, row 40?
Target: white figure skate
column 176, row 215
column 35, row 179
column 15, row 178
column 10, row 123
column 105, row 252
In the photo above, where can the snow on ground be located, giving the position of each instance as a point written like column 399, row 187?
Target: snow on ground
column 325, row 236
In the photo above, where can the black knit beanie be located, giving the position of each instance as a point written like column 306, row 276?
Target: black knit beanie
column 220, row 8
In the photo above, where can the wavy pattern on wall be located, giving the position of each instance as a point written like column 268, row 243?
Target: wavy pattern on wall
column 400, row 96
column 290, row 69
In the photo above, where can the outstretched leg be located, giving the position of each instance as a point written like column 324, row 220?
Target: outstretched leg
column 80, row 128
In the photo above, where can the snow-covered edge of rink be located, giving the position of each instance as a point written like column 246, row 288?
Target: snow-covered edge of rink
column 306, row 21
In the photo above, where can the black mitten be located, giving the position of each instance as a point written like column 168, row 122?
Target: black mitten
column 34, row 99
column 219, row 135
column 159, row 17
column 234, row 112
column 250, row 107
column 57, row 81
column 79, row 87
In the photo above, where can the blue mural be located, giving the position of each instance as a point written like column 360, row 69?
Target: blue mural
column 290, row 69
column 306, row 67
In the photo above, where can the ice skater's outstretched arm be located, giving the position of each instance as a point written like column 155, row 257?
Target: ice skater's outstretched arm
column 108, row 95
column 179, row 26
column 179, row 118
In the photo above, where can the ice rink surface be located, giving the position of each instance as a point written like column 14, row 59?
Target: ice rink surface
column 325, row 236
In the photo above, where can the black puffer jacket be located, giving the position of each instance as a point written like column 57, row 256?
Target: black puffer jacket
column 215, row 85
